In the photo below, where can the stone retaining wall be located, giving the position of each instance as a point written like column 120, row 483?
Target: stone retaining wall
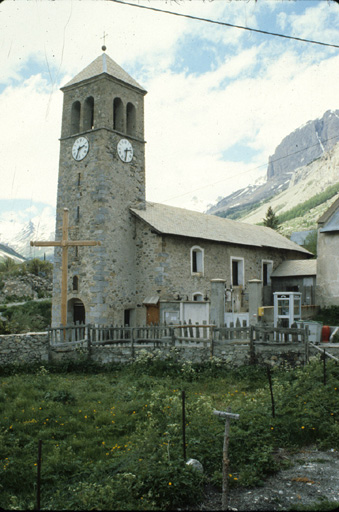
column 34, row 348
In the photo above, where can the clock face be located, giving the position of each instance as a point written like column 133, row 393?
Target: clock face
column 125, row 150
column 80, row 148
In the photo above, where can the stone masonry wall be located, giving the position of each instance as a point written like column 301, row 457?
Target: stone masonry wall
column 164, row 263
column 98, row 191
column 24, row 348
column 34, row 348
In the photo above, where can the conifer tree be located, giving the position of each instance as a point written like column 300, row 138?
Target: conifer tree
column 271, row 220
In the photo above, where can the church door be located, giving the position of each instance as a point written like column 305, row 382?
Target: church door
column 79, row 314
column 152, row 314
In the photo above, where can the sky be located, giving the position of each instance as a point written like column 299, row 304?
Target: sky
column 220, row 99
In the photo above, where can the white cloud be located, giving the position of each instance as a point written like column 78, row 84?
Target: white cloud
column 255, row 93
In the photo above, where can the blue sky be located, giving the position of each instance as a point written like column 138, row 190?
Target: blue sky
column 219, row 99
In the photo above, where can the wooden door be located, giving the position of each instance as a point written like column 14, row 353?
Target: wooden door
column 152, row 314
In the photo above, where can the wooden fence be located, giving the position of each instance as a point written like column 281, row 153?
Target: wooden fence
column 87, row 334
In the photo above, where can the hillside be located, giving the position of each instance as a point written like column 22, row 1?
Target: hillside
column 319, row 177
column 289, row 164
column 8, row 252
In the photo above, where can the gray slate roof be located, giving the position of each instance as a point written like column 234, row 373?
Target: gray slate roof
column 296, row 268
column 299, row 237
column 181, row 222
column 104, row 64
column 332, row 224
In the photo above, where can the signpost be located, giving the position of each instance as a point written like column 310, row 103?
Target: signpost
column 225, row 461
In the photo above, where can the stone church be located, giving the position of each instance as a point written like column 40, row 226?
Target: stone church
column 155, row 263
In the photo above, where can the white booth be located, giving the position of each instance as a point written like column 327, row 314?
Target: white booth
column 287, row 307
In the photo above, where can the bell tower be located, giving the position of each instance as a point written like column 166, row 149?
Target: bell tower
column 101, row 176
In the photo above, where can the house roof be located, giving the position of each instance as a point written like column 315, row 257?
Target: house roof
column 171, row 220
column 296, row 268
column 329, row 213
column 299, row 237
column 104, row 65
column 331, row 223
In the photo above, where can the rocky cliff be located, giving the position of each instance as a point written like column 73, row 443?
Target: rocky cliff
column 301, row 147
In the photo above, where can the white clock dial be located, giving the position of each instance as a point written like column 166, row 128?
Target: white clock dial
column 80, row 148
column 125, row 150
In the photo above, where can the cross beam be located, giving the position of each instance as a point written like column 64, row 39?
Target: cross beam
column 64, row 244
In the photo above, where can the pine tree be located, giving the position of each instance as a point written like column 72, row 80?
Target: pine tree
column 271, row 220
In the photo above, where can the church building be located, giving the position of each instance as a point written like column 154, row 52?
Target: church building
column 155, row 263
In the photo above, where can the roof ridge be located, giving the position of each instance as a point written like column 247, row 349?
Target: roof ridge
column 101, row 65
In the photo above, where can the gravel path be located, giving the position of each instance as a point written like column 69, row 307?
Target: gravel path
column 313, row 477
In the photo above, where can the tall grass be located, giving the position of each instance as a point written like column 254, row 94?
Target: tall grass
column 112, row 437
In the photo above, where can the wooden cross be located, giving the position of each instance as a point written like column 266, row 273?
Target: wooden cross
column 64, row 244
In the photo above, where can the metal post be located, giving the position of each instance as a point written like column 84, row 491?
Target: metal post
column 38, row 475
column 183, row 396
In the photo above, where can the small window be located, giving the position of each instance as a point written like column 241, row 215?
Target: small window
column 237, row 269
column 267, row 267
column 77, row 214
column 75, row 283
column 75, row 117
column 89, row 114
column 198, row 297
column 131, row 119
column 197, row 260
column 118, row 115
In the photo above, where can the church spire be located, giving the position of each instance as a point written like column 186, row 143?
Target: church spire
column 104, row 64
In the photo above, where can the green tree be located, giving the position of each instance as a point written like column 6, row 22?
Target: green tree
column 271, row 220
column 311, row 242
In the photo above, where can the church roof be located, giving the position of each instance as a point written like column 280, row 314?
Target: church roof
column 296, row 268
column 104, row 64
column 181, row 222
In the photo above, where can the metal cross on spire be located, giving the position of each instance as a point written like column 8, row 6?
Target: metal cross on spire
column 104, row 38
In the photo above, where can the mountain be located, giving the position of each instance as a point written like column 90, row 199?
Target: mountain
column 19, row 227
column 297, row 150
column 316, row 186
column 7, row 252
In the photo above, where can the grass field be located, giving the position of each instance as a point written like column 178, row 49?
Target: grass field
column 112, row 437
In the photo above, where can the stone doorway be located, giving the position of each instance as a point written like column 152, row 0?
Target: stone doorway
column 76, row 311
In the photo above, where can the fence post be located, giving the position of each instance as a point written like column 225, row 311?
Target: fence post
column 38, row 475
column 183, row 396
column 307, row 347
column 252, row 349
column 211, row 336
column 132, row 341
column 89, row 341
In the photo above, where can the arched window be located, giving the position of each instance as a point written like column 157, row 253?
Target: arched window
column 75, row 117
column 198, row 297
column 89, row 113
column 75, row 283
column 197, row 260
column 131, row 118
column 118, row 115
